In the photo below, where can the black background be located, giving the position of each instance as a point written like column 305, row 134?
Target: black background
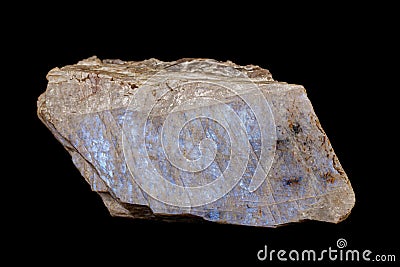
column 341, row 55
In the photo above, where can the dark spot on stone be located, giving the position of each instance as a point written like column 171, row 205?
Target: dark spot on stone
column 296, row 128
column 291, row 181
column 282, row 143
column 133, row 86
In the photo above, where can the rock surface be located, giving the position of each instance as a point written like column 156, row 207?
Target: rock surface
column 196, row 139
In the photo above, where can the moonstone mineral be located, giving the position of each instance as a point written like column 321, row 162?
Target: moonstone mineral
column 196, row 139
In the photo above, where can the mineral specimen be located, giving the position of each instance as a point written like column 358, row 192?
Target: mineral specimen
column 196, row 139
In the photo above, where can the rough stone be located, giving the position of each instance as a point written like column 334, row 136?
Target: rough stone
column 196, row 139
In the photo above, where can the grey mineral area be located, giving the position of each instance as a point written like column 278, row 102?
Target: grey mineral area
column 196, row 139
